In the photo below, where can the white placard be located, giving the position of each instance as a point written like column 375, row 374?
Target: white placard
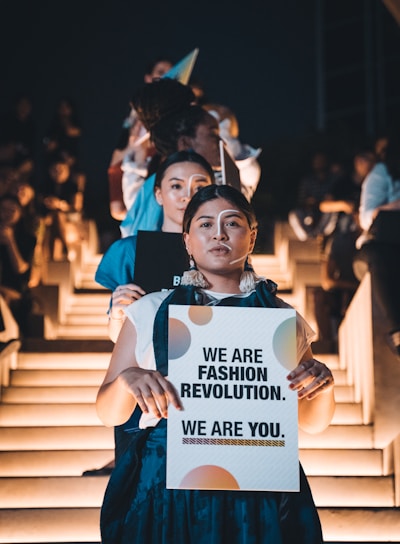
column 239, row 427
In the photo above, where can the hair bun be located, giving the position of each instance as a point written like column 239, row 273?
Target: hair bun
column 161, row 98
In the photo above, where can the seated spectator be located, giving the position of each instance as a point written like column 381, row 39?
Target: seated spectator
column 33, row 222
column 61, row 206
column 17, row 245
column 130, row 158
column 307, row 220
column 379, row 244
column 338, row 282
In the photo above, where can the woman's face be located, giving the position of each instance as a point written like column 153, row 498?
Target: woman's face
column 25, row 194
column 220, row 239
column 181, row 180
column 206, row 141
column 59, row 172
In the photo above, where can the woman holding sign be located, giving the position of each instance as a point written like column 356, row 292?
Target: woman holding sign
column 219, row 233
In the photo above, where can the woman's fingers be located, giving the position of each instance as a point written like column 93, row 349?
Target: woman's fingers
column 310, row 378
column 152, row 391
column 126, row 294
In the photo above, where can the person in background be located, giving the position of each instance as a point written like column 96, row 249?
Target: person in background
column 64, row 139
column 131, row 155
column 17, row 245
column 244, row 155
column 338, row 282
column 18, row 133
column 33, row 222
column 379, row 244
column 179, row 176
column 306, row 220
column 65, row 132
column 166, row 109
column 219, row 229
column 61, row 205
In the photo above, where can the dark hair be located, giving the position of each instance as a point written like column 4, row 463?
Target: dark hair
column 165, row 135
column 212, row 192
column 153, row 101
column 151, row 64
column 183, row 156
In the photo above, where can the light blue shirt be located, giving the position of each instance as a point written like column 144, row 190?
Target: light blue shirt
column 145, row 212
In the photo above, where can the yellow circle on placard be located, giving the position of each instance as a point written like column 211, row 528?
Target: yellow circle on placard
column 209, row 477
column 200, row 315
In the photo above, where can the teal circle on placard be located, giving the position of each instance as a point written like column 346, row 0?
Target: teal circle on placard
column 284, row 343
column 179, row 338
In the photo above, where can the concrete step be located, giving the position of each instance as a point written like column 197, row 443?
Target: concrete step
column 52, row 463
column 50, row 525
column 96, row 300
column 56, row 437
column 68, row 361
column 365, row 525
column 24, row 415
column 88, row 332
column 81, row 525
column 82, row 318
column 83, row 492
column 343, row 436
column 353, row 491
column 74, row 462
column 347, row 462
column 52, row 492
column 49, row 395
column 57, row 377
column 348, row 413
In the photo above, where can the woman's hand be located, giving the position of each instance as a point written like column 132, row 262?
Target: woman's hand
column 122, row 297
column 151, row 390
column 310, row 378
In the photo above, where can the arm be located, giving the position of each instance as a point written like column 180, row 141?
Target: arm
column 126, row 384
column 114, row 172
column 374, row 194
column 332, row 206
column 19, row 264
column 313, row 382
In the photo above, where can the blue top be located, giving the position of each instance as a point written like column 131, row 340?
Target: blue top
column 145, row 212
column 117, row 265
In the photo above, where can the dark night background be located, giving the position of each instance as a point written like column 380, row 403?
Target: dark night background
column 297, row 74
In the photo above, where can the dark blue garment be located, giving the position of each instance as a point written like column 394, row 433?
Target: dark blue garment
column 145, row 511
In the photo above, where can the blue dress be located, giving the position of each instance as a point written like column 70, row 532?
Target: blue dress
column 137, row 507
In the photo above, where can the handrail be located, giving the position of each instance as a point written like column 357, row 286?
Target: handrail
column 356, row 348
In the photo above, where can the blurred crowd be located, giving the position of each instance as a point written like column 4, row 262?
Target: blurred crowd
column 42, row 208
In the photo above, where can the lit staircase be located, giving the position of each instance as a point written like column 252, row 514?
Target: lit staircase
column 50, row 434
